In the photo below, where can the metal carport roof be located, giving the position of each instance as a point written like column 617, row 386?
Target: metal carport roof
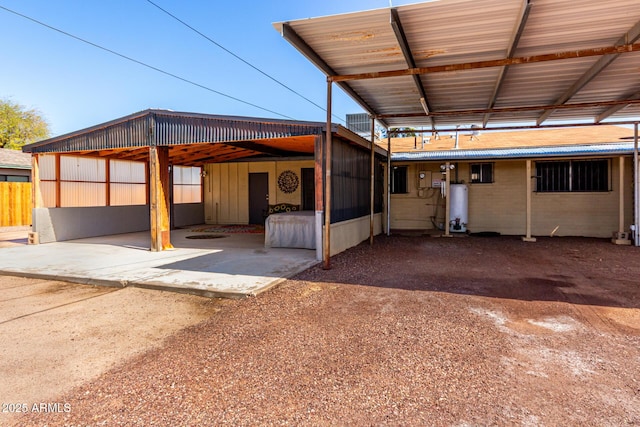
column 445, row 63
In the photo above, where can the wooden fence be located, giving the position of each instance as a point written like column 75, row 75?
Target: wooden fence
column 15, row 203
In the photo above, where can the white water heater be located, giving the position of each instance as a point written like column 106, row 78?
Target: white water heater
column 459, row 216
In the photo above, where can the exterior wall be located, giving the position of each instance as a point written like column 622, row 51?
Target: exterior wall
column 59, row 224
column 188, row 214
column 226, row 188
column 414, row 210
column 15, row 172
column 501, row 206
column 347, row 234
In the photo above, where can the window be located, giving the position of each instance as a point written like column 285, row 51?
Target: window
column 482, row 173
column 399, row 180
column 15, row 178
column 187, row 184
column 572, row 176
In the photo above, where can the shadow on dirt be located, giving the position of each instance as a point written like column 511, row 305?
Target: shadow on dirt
column 574, row 270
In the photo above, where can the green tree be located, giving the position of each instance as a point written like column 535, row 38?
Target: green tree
column 20, row 126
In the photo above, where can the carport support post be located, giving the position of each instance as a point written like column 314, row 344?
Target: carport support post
column 159, row 198
column 447, row 199
column 388, row 183
column 636, row 187
column 319, row 189
column 373, row 179
column 528, row 237
column 326, row 258
column 36, row 192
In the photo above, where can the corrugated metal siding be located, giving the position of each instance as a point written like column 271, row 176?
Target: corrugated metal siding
column 86, row 169
column 516, row 153
column 126, row 171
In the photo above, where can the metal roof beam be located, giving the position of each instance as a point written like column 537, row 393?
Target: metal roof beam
column 526, row 9
column 615, row 108
column 629, row 37
column 572, row 54
column 396, row 24
column 290, row 35
column 498, row 110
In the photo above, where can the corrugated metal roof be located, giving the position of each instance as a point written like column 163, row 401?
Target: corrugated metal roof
column 624, row 148
column 455, row 32
column 166, row 128
column 195, row 139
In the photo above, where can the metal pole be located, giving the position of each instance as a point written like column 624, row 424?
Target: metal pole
column 447, row 201
column 327, row 186
column 636, row 187
column 527, row 237
column 372, row 199
column 388, row 183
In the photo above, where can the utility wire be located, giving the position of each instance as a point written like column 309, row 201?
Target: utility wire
column 240, row 58
column 128, row 58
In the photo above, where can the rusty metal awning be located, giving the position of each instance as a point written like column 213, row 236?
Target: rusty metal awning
column 446, row 63
column 195, row 139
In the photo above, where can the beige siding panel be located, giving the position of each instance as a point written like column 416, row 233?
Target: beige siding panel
column 243, row 193
column 582, row 214
column 501, row 205
column 295, row 197
column 414, row 210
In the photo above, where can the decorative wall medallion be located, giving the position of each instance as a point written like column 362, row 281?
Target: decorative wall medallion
column 288, row 181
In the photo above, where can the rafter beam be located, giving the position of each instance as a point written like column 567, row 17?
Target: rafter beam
column 290, row 35
column 515, row 39
column 615, row 108
column 499, row 110
column 628, row 38
column 572, row 54
column 396, row 24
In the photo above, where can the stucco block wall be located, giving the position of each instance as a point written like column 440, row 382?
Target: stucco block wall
column 188, row 214
column 226, row 188
column 501, row 206
column 60, row 224
column 347, row 234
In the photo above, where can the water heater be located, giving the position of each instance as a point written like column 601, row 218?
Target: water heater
column 459, row 216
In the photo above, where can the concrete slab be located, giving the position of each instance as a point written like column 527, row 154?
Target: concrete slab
column 231, row 265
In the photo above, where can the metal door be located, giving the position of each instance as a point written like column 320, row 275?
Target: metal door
column 258, row 197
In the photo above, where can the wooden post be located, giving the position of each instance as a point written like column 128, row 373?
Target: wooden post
column 58, row 185
column 447, row 200
column 327, row 185
column 36, row 191
column 107, row 182
column 159, row 198
column 373, row 181
column 621, row 206
column 528, row 237
column 621, row 237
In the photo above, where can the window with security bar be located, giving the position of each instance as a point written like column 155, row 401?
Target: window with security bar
column 573, row 176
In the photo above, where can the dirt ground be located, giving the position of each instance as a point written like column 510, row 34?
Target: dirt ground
column 414, row 331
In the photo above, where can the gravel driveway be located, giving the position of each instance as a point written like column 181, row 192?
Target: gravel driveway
column 414, row 331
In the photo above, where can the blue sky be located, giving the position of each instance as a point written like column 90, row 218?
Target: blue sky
column 75, row 85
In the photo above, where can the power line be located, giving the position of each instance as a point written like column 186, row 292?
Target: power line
column 128, row 58
column 240, row 58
